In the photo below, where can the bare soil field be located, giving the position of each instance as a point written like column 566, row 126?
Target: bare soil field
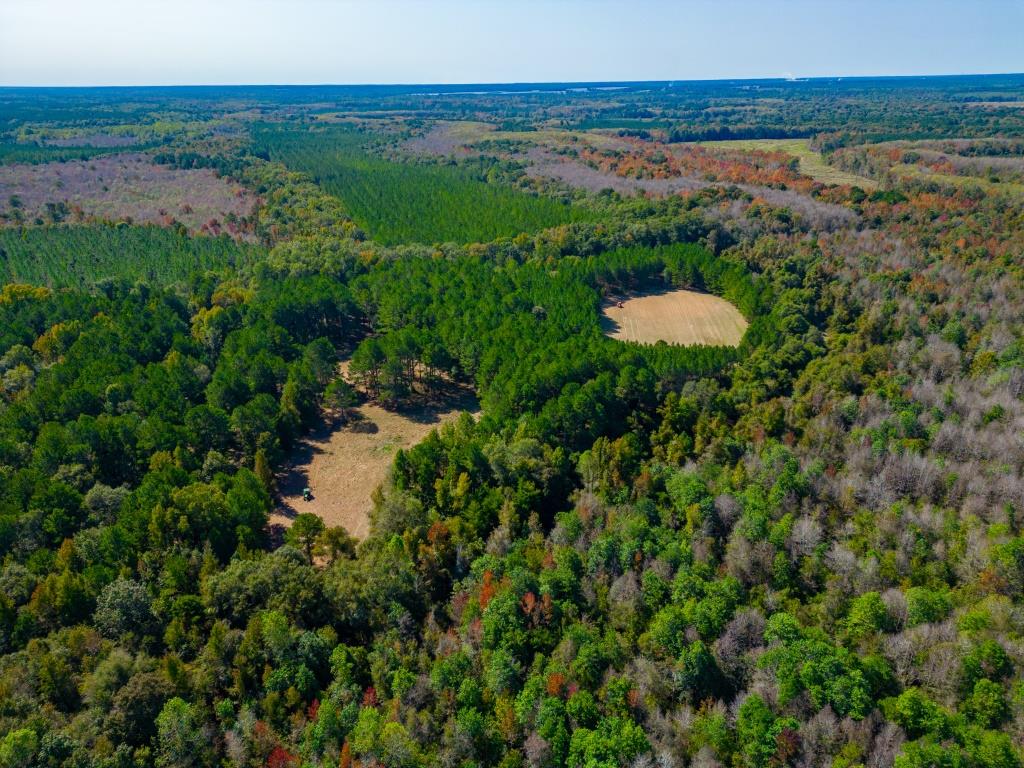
column 120, row 187
column 675, row 317
column 343, row 463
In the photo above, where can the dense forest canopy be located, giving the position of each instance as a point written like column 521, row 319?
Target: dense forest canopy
column 408, row 202
column 806, row 550
column 83, row 256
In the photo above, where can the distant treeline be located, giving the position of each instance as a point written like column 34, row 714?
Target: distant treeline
column 729, row 133
column 14, row 152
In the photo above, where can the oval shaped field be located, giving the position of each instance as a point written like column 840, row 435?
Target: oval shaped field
column 675, row 317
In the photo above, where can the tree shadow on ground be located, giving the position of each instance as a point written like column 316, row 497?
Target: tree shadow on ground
column 428, row 407
column 294, row 478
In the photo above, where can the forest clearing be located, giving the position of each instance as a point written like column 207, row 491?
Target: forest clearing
column 122, row 187
column 348, row 465
column 675, row 317
column 344, row 462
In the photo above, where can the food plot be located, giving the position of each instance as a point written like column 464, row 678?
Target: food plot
column 675, row 317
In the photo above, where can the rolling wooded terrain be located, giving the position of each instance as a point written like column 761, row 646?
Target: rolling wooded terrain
column 806, row 549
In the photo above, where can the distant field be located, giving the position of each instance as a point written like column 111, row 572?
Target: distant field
column 79, row 256
column 127, row 186
column 675, row 317
column 446, row 137
column 811, row 162
column 612, row 123
column 410, row 202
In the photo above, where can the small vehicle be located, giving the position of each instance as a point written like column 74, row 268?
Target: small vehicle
column 619, row 304
column 306, row 494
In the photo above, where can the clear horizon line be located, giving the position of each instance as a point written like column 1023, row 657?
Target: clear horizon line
column 453, row 84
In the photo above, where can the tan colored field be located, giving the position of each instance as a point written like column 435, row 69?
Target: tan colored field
column 342, row 464
column 676, row 317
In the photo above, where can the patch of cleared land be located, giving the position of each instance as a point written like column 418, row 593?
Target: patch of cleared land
column 449, row 138
column 811, row 162
column 122, row 187
column 460, row 136
column 675, row 317
column 979, row 164
column 343, row 463
column 576, row 174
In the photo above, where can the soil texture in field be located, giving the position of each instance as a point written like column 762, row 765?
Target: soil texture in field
column 675, row 317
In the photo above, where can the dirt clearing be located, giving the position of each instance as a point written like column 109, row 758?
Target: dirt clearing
column 344, row 463
column 675, row 317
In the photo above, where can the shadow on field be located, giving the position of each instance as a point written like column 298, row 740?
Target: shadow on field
column 345, row 456
column 291, row 482
column 428, row 408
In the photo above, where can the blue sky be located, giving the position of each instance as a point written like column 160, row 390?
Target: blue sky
column 138, row 42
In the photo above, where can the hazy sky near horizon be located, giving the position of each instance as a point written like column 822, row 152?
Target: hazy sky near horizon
column 161, row 42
